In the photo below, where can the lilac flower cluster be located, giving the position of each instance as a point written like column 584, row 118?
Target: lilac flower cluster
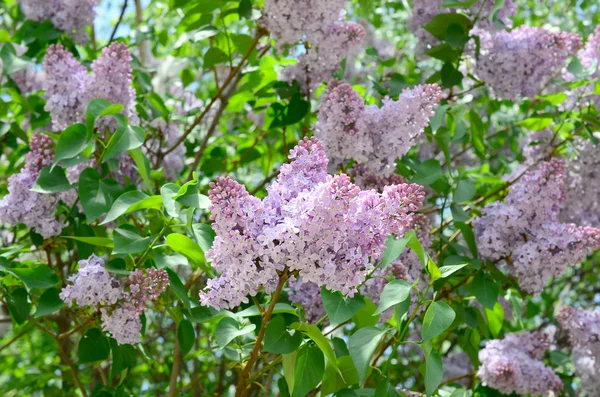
column 323, row 58
column 522, row 62
column 374, row 137
column 525, row 231
column 457, row 367
column 21, row 205
column 513, row 365
column 320, row 225
column 589, row 56
column 582, row 204
column 308, row 295
column 69, row 87
column 120, row 302
column 292, row 21
column 69, row 16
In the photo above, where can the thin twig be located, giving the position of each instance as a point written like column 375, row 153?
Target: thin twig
column 112, row 35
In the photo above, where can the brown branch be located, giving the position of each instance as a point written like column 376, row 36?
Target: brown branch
column 220, row 92
column 241, row 389
column 177, row 359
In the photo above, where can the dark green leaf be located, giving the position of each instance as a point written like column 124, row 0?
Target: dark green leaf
column 96, row 195
column 434, row 371
column 339, row 308
column 51, row 180
column 49, row 303
column 178, row 288
column 37, row 277
column 19, row 305
column 186, row 336
column 93, row 346
column 128, row 240
column 309, row 370
column 278, row 339
column 214, row 56
column 438, row 26
column 485, row 290
column 228, row 329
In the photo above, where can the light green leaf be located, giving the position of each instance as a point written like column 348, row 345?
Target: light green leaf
column 393, row 293
column 71, row 142
column 204, row 235
column 122, row 204
column 167, row 192
column 51, row 180
column 128, row 240
column 37, row 277
column 393, row 249
column 228, row 329
column 308, row 371
column 362, row 346
column 438, row 317
column 98, row 241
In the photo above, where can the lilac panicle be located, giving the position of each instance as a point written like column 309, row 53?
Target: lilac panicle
column 69, row 87
column 324, row 58
column 144, row 288
column 513, row 365
column 520, row 63
column 320, row 225
column 525, row 231
column 69, row 16
column 373, row 137
column 21, row 205
column 92, row 285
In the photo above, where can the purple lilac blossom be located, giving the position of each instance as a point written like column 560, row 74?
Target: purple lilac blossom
column 582, row 204
column 308, row 295
column 69, row 16
column 525, row 233
column 145, row 287
column 520, row 63
column 374, row 137
column 513, row 365
column 291, row 21
column 21, row 205
column 589, row 56
column 69, row 87
column 92, row 285
column 322, row 59
column 320, row 225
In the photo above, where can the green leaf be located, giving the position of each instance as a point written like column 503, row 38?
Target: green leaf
column 278, row 339
column 228, row 329
column 188, row 195
column 49, row 303
column 314, row 333
column 98, row 241
column 438, row 26
column 117, row 266
column 434, row 371
column 245, row 9
column 128, row 240
column 204, row 235
column 338, row 308
column 385, row 389
column 465, row 190
column 214, row 56
column 485, row 290
column 95, row 194
column 71, row 142
column 446, row 271
column 93, row 346
column 123, row 357
column 19, row 305
column 477, row 132
column 98, row 108
column 186, row 246
column 157, row 102
column 178, row 287
column 308, row 371
column 428, row 172
column 393, row 293
column 279, row 308
column 450, row 75
column 125, row 138
column 185, row 336
column 495, row 319
column 51, row 180
column 122, row 204
column 364, row 317
column 10, row 61
column 536, row 123
column 37, row 277
column 393, row 249
column 438, row 317
column 167, row 192
column 362, row 346
column 288, row 362
column 143, row 166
